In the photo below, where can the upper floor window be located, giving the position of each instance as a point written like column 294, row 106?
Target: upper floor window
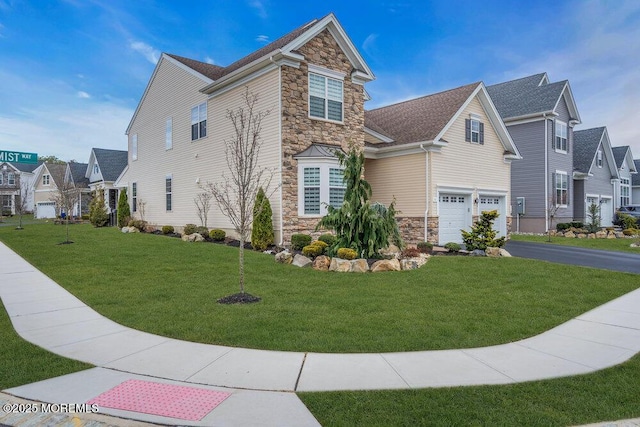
column 599, row 159
column 11, row 178
column 561, row 136
column 325, row 97
column 96, row 169
column 168, row 134
column 199, row 121
column 625, row 198
column 474, row 131
column 134, row 147
column 168, row 181
column 562, row 188
column 46, row 179
column 1, row 178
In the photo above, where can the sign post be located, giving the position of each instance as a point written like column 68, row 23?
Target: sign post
column 18, row 157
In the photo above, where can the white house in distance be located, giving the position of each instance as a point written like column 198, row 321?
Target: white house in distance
column 103, row 170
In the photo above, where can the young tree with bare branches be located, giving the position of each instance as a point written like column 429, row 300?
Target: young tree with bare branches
column 65, row 197
column 237, row 190
column 22, row 203
column 203, row 204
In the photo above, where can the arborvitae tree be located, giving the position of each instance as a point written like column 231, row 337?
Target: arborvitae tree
column 482, row 234
column 98, row 215
column 262, row 231
column 124, row 212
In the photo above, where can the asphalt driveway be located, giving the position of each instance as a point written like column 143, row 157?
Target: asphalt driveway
column 608, row 260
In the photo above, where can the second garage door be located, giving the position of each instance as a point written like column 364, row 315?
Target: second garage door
column 454, row 211
column 496, row 203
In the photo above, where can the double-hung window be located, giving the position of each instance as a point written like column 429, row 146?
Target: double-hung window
column 474, row 131
column 599, row 159
column 1, row 178
column 168, row 192
column 11, row 178
column 321, row 185
column 562, row 188
column 325, row 97
column 134, row 196
column 625, row 199
column 561, row 136
column 46, row 179
column 199, row 121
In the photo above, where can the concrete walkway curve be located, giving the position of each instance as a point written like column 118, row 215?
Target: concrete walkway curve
column 44, row 313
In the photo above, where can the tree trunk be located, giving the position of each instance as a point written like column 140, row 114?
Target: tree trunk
column 241, row 262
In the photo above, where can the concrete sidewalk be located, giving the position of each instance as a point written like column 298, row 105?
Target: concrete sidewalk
column 47, row 315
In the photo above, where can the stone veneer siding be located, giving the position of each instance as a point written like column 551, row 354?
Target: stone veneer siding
column 299, row 131
column 411, row 229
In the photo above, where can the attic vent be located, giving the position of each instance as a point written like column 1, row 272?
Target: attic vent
column 475, row 116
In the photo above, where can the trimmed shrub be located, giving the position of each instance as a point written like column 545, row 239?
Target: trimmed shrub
column 299, row 241
column 452, row 247
column 189, row 229
column 124, row 213
column 576, row 224
column 85, row 217
column 97, row 210
column 562, row 226
column 327, row 238
column 203, row 231
column 425, row 247
column 262, row 229
column 630, row 231
column 167, row 229
column 217, row 235
column 138, row 223
column 312, row 250
column 347, row 253
column 626, row 221
column 411, row 252
column 482, row 234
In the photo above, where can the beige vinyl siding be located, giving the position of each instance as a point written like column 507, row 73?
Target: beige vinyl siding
column 470, row 165
column 403, row 177
column 173, row 93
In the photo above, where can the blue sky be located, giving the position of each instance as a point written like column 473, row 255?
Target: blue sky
column 72, row 71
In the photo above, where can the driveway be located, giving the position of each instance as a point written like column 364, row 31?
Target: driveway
column 608, row 260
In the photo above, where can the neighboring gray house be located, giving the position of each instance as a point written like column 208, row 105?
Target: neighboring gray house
column 626, row 169
column 540, row 117
column 26, row 176
column 76, row 174
column 594, row 175
column 635, row 184
column 103, row 169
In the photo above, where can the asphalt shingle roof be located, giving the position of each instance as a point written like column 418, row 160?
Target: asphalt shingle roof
column 57, row 171
column 111, row 162
column 78, row 171
column 525, row 96
column 585, row 145
column 420, row 119
column 26, row 167
column 635, row 178
column 619, row 154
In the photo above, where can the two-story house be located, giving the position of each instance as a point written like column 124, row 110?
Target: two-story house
column 444, row 158
column 102, row 172
column 626, row 170
column 310, row 81
column 49, row 179
column 9, row 188
column 75, row 174
column 540, row 117
column 594, row 175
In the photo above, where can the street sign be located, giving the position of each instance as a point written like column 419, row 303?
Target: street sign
column 18, row 157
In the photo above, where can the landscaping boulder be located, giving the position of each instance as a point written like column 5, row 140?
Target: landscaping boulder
column 408, row 264
column 570, row 234
column 581, row 236
column 130, row 230
column 340, row 265
column 301, row 261
column 492, row 252
column 195, row 237
column 619, row 235
column 359, row 266
column 504, row 253
column 591, row 236
column 322, row 263
column 386, row 265
column 601, row 234
column 478, row 252
column 611, row 235
column 284, row 257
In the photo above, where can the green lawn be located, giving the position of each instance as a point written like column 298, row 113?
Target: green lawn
column 168, row 287
column 620, row 245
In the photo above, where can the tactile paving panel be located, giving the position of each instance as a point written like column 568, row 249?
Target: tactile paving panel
column 185, row 403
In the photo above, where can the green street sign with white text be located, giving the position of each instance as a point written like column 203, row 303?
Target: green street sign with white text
column 18, row 157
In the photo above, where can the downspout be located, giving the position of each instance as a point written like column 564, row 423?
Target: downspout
column 546, row 173
column 426, row 190
column 281, row 242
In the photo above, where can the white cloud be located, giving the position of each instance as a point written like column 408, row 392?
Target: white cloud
column 260, row 8
column 152, row 55
column 209, row 60
column 368, row 45
column 262, row 39
column 83, row 95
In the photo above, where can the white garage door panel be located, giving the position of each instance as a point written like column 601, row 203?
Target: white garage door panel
column 496, row 203
column 453, row 211
column 46, row 210
column 606, row 212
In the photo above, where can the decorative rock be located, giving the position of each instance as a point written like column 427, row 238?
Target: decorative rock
column 591, row 236
column 581, row 236
column 635, row 245
column 478, row 252
column 408, row 264
column 504, row 253
column 570, row 234
column 284, row 257
column 322, row 263
column 301, row 261
column 619, row 235
column 601, row 234
column 125, row 229
column 359, row 266
column 340, row 265
column 492, row 252
column 386, row 265
column 611, row 235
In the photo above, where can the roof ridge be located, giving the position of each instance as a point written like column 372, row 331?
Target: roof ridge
column 520, row 78
column 426, row 96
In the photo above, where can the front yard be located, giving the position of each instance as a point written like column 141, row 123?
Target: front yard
column 165, row 286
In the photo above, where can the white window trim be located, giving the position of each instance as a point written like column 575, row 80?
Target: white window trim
column 563, row 173
column 134, row 197
column 557, row 149
column 134, row 146
column 324, row 165
column 168, row 134
column 48, row 180
column 626, row 186
column 206, row 117
column 168, row 193
column 599, row 161
column 327, row 74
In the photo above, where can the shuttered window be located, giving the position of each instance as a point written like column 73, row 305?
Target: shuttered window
column 474, row 131
column 311, row 191
column 325, row 97
column 337, row 187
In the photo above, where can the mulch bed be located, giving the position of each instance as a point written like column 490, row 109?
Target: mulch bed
column 239, row 298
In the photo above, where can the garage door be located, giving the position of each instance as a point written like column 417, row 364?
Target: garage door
column 496, row 203
column 455, row 214
column 46, row 210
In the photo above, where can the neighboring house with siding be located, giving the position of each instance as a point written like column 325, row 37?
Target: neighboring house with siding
column 102, row 172
column 635, row 184
column 9, row 188
column 594, row 175
column 27, row 173
column 75, row 174
column 626, row 170
column 49, row 177
column 312, row 83
column 540, row 117
column 444, row 158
